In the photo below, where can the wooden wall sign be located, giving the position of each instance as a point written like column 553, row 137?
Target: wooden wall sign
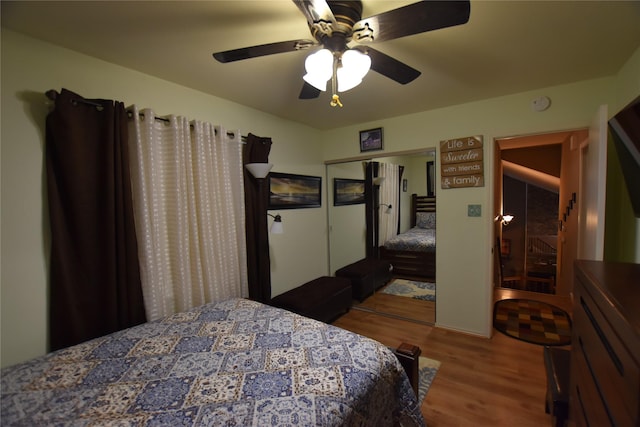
column 461, row 161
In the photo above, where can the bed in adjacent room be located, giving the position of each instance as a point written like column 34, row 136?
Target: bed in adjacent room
column 413, row 253
column 236, row 362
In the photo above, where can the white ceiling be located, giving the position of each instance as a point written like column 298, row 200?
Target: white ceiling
column 507, row 47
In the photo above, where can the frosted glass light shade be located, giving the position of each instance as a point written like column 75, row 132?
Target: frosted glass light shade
column 277, row 228
column 504, row 219
column 259, row 170
column 319, row 67
column 355, row 65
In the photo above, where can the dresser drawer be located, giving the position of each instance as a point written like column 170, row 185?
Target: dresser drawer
column 585, row 404
column 615, row 372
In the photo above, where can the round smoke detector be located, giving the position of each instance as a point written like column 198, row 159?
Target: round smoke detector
column 541, row 103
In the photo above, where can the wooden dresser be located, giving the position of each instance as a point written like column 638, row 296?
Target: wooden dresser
column 605, row 348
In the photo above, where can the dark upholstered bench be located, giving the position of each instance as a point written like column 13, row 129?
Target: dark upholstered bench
column 324, row 298
column 557, row 363
column 366, row 276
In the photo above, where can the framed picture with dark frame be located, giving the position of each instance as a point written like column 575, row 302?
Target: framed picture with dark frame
column 289, row 191
column 371, row 140
column 348, row 191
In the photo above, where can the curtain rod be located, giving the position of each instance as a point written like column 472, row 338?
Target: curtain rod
column 52, row 94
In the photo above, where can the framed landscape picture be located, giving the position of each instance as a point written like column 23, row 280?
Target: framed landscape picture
column 348, row 191
column 371, row 139
column 289, row 191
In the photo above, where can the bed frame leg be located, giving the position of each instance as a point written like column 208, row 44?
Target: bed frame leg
column 408, row 355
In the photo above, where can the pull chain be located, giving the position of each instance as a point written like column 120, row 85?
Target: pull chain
column 335, row 99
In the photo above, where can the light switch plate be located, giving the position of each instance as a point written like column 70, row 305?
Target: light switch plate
column 474, row 210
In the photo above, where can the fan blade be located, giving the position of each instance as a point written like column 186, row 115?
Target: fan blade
column 309, row 92
column 262, row 50
column 389, row 67
column 411, row 19
column 316, row 11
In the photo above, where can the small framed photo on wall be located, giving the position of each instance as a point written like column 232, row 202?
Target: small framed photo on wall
column 371, row 140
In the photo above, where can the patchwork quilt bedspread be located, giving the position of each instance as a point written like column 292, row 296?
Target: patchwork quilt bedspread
column 237, row 362
column 415, row 239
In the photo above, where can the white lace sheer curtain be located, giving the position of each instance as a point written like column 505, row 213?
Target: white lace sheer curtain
column 389, row 195
column 188, row 192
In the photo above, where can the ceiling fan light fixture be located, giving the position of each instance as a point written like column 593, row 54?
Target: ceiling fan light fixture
column 316, row 81
column 355, row 65
column 319, row 67
column 346, row 81
column 336, row 23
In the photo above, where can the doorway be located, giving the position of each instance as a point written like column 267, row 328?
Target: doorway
column 536, row 183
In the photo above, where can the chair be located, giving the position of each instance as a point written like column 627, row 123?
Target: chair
column 537, row 282
column 513, row 282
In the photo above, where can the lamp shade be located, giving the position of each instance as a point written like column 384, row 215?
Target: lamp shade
column 319, row 67
column 259, row 170
column 276, row 227
column 504, row 219
column 355, row 65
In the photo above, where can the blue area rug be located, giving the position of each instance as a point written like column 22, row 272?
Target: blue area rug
column 427, row 372
column 425, row 291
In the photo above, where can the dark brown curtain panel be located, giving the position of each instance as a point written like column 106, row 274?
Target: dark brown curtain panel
column 256, row 192
column 370, row 203
column 398, row 204
column 94, row 275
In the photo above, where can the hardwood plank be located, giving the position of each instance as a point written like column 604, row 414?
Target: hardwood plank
column 387, row 330
column 400, row 306
column 497, row 381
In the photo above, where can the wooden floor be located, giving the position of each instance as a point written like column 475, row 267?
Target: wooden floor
column 399, row 306
column 497, row 381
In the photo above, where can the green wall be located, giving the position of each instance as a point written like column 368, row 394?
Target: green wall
column 31, row 67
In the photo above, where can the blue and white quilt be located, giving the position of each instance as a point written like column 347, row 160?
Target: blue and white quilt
column 416, row 239
column 236, row 362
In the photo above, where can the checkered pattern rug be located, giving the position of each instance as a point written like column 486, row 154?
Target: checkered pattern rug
column 532, row 321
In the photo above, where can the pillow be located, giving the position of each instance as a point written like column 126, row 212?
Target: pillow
column 426, row 220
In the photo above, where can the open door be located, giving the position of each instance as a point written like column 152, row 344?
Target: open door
column 592, row 193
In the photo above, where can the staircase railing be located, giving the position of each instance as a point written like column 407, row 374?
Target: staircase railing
column 542, row 245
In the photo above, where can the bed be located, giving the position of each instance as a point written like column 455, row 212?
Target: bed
column 236, row 362
column 413, row 253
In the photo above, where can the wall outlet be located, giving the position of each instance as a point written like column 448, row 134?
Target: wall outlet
column 474, row 210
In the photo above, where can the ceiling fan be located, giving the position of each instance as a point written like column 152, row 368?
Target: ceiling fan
column 335, row 24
